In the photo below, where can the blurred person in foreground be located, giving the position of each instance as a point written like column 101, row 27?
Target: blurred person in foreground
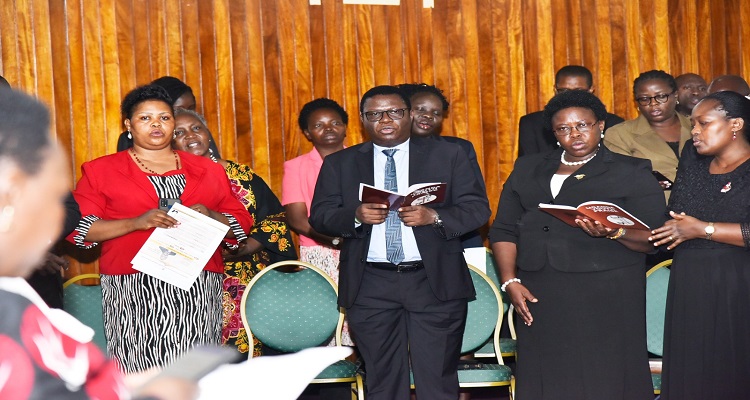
column 46, row 353
column 579, row 291
column 47, row 279
column 119, row 196
column 269, row 241
column 707, row 330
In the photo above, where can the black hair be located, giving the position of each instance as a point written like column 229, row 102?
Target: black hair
column 4, row 83
column 202, row 119
column 384, row 90
column 655, row 74
column 175, row 87
column 734, row 105
column 575, row 70
column 320, row 104
column 141, row 94
column 24, row 130
column 410, row 89
column 570, row 99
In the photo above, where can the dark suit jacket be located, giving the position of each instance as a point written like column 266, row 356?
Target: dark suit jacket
column 533, row 138
column 465, row 208
column 113, row 187
column 473, row 238
column 545, row 240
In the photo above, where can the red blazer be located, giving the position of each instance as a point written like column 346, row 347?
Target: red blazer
column 114, row 187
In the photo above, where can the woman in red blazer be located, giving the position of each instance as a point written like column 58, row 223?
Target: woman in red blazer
column 149, row 322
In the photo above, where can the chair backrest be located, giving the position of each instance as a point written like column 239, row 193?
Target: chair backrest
column 291, row 310
column 85, row 303
column 485, row 314
column 657, row 281
column 493, row 274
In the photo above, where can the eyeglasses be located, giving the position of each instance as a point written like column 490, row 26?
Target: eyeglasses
column 375, row 116
column 581, row 127
column 660, row 99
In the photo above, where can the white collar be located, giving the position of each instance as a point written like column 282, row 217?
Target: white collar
column 403, row 147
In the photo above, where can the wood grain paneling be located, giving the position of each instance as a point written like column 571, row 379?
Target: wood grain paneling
column 253, row 63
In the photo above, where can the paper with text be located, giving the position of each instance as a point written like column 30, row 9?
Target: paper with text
column 177, row 255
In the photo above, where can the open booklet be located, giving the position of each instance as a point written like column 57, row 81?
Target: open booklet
column 420, row 193
column 608, row 214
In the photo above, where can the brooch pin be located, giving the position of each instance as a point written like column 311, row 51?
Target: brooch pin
column 580, row 176
column 726, row 187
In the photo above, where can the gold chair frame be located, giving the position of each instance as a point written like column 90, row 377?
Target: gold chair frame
column 356, row 381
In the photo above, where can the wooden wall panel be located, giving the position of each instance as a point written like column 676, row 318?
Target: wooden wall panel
column 253, row 63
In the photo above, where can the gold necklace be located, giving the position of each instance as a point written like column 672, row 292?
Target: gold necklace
column 147, row 169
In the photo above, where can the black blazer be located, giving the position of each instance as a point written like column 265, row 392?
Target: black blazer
column 543, row 239
column 533, row 138
column 465, row 208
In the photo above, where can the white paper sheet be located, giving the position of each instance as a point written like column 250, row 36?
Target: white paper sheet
column 271, row 377
column 177, row 255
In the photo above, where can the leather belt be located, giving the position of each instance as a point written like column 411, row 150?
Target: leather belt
column 410, row 266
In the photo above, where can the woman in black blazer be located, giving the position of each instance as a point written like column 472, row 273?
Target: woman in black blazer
column 580, row 291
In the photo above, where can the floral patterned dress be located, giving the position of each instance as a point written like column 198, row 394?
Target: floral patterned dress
column 271, row 230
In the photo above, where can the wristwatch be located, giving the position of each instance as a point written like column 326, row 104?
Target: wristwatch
column 438, row 222
column 336, row 241
column 709, row 230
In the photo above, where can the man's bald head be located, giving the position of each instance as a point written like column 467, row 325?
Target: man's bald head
column 732, row 83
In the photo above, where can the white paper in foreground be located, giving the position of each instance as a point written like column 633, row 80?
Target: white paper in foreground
column 270, row 377
column 177, row 255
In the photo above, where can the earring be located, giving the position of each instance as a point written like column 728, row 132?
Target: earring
column 211, row 155
column 130, row 136
column 734, row 135
column 602, row 135
column 677, row 101
column 558, row 144
column 6, row 218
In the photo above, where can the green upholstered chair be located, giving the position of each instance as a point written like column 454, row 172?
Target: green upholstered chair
column 483, row 321
column 507, row 345
column 291, row 306
column 657, row 281
column 85, row 303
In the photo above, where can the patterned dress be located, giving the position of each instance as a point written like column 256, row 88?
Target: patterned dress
column 271, row 230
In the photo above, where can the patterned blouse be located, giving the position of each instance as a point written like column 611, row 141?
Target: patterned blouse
column 270, row 230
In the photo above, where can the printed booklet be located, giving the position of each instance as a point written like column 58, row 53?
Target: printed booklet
column 608, row 214
column 420, row 193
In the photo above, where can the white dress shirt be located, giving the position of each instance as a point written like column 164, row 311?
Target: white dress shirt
column 377, row 251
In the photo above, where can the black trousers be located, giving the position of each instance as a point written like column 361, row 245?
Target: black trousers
column 397, row 319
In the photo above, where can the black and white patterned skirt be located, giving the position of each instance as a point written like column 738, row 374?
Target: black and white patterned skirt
column 149, row 323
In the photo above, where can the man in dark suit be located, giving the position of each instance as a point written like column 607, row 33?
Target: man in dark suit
column 533, row 136
column 403, row 278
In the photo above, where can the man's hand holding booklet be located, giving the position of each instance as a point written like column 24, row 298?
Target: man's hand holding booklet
column 608, row 214
column 420, row 193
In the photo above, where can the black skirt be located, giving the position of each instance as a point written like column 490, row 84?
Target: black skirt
column 588, row 338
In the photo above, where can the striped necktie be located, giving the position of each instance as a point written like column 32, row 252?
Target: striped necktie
column 394, row 249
